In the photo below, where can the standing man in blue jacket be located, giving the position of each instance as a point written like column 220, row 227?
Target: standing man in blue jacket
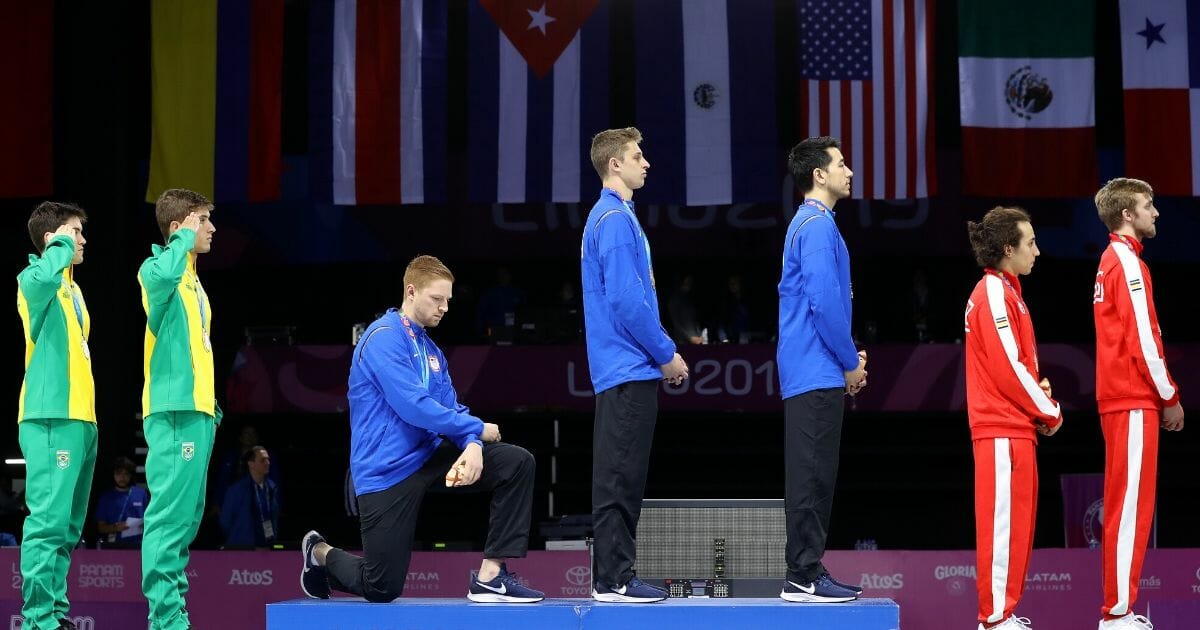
column 628, row 354
column 250, row 507
column 818, row 365
column 409, row 433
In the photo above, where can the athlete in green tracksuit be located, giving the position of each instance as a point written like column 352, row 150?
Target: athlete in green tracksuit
column 56, row 412
column 178, row 401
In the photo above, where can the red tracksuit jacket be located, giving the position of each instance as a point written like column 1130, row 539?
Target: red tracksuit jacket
column 1131, row 372
column 1004, row 399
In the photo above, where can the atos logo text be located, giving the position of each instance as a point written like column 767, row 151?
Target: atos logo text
column 246, row 577
column 894, row 581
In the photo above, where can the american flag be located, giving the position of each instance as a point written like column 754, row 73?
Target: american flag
column 865, row 77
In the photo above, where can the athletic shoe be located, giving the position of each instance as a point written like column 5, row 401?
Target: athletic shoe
column 1012, row 623
column 635, row 591
column 1128, row 622
column 823, row 590
column 505, row 587
column 314, row 581
column 850, row 587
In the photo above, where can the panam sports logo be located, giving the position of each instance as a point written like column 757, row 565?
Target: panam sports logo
column 101, row 576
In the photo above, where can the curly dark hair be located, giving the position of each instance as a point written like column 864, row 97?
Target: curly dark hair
column 997, row 230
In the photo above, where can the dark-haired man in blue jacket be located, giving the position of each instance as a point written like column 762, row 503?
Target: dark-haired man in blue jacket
column 818, row 365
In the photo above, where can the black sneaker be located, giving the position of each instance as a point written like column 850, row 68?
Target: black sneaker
column 850, row 587
column 823, row 590
column 504, row 588
column 313, row 579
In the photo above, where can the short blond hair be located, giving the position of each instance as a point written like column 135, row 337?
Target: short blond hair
column 609, row 144
column 1117, row 195
column 423, row 270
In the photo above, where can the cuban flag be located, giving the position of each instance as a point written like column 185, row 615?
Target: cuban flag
column 539, row 90
column 378, row 101
column 705, row 92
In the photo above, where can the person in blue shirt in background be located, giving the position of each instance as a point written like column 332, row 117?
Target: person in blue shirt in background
column 409, row 433
column 250, row 507
column 119, row 504
column 818, row 365
column 629, row 353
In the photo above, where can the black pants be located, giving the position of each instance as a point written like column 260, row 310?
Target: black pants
column 621, row 439
column 389, row 517
column 812, row 441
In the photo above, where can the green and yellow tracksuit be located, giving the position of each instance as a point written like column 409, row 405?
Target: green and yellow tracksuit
column 180, row 418
column 57, row 428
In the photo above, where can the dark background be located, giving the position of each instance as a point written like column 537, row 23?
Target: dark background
column 906, row 479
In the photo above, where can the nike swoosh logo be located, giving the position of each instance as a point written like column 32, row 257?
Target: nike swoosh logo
column 502, row 590
column 620, row 591
column 810, row 590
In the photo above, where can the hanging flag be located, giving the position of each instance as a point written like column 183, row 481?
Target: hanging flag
column 378, row 87
column 216, row 97
column 26, row 110
column 1160, row 55
column 705, row 93
column 866, row 77
column 1027, row 92
column 539, row 90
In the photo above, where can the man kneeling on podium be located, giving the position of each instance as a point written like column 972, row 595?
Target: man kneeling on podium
column 408, row 433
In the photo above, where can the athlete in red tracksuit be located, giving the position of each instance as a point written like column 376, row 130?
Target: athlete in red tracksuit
column 1008, row 405
column 1135, row 393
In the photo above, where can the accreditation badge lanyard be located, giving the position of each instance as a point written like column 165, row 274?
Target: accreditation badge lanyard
column 125, row 505
column 642, row 233
column 202, row 302
column 419, row 347
column 87, row 352
column 268, row 528
column 826, row 210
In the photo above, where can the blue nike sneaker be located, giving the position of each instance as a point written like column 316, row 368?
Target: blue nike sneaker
column 822, row 590
column 635, row 591
column 504, row 588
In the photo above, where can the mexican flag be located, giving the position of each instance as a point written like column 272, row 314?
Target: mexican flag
column 1026, row 73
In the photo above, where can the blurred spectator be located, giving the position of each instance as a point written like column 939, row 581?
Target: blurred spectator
column 498, row 305
column 735, row 316
column 232, row 466
column 685, row 319
column 250, row 511
column 120, row 510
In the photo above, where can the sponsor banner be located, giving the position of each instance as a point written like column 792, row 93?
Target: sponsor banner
column 86, row 615
column 924, row 377
column 230, row 589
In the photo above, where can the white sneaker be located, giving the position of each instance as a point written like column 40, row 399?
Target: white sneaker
column 1012, row 623
column 1128, row 622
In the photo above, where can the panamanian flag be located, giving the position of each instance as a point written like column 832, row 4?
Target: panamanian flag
column 1160, row 55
